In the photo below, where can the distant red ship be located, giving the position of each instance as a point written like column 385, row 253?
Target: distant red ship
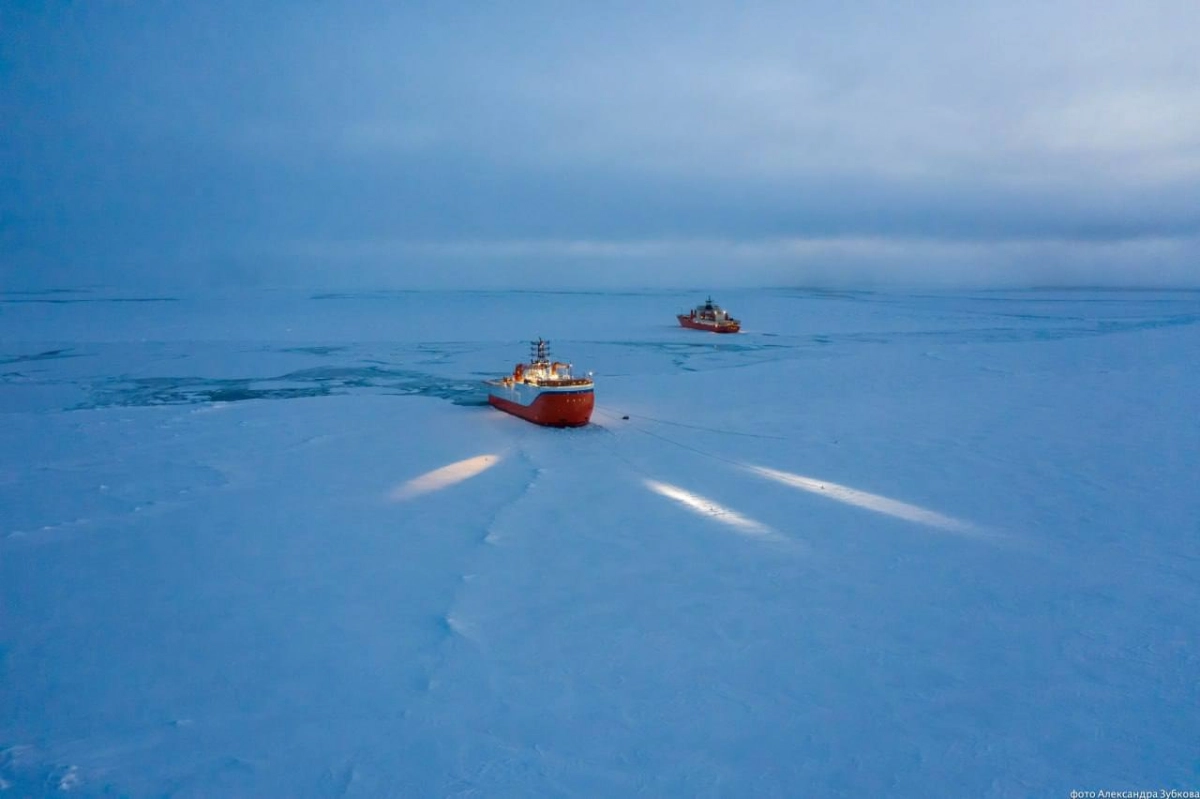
column 710, row 317
column 543, row 391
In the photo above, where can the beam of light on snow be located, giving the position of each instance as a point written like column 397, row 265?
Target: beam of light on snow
column 444, row 477
column 852, row 496
column 706, row 507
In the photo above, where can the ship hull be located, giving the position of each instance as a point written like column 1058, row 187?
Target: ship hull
column 688, row 322
column 548, row 408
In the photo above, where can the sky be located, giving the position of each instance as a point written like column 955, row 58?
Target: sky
column 423, row 145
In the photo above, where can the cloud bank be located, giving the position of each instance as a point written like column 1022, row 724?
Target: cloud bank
column 1009, row 143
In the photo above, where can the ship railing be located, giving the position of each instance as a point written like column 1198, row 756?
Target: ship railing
column 561, row 381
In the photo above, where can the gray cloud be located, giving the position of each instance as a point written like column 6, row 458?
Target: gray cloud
column 1001, row 142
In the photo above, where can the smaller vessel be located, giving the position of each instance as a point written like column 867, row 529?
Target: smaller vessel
column 544, row 391
column 710, row 317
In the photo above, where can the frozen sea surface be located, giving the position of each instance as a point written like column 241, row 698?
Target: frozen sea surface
column 275, row 544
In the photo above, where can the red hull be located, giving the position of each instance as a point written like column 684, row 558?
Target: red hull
column 687, row 321
column 552, row 409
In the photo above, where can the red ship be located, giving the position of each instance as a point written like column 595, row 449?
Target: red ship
column 544, row 391
column 710, row 317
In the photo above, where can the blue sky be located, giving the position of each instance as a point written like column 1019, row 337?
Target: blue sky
column 527, row 144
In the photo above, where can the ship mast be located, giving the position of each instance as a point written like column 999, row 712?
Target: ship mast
column 539, row 351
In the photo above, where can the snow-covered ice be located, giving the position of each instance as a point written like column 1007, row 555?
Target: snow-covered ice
column 890, row 544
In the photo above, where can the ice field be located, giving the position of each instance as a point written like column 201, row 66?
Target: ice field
column 878, row 544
